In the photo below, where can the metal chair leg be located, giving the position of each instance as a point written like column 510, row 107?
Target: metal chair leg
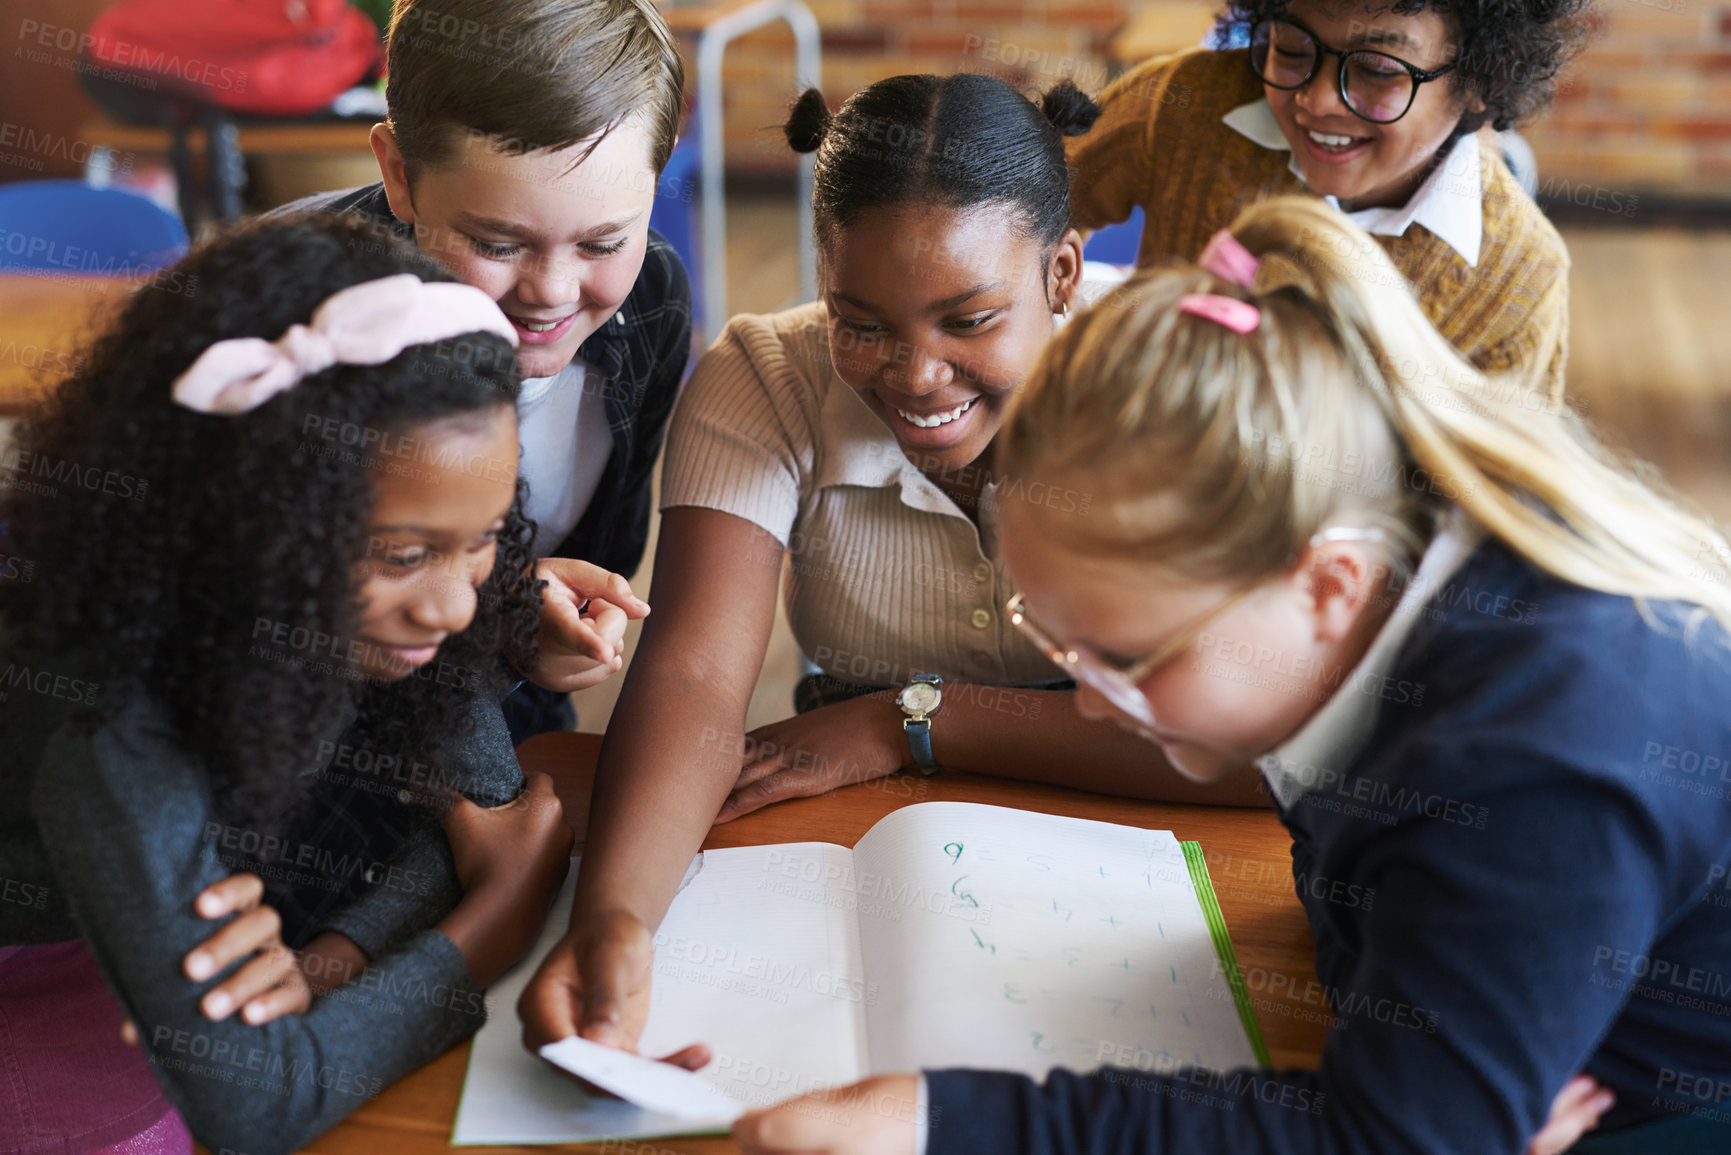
column 712, row 45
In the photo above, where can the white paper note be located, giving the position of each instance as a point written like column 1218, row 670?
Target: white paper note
column 653, row 1086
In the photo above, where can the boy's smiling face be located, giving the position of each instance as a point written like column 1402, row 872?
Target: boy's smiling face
column 556, row 238
column 1380, row 164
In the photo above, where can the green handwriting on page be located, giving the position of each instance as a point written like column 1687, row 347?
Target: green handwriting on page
column 1052, row 942
column 953, row 934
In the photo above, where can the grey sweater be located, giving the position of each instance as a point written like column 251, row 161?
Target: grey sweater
column 110, row 835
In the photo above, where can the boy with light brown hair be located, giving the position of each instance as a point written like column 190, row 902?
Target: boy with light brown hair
column 523, row 147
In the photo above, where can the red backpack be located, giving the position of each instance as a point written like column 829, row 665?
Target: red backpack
column 254, row 57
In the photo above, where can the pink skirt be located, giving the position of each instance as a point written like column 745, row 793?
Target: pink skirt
column 68, row 1083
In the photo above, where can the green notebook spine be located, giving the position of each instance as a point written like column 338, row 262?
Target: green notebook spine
column 1223, row 947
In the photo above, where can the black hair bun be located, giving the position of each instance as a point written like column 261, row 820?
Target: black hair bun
column 808, row 121
column 1070, row 110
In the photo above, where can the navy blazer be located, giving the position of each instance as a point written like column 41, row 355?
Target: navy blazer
column 1523, row 875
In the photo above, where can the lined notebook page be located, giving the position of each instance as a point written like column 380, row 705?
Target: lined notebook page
column 513, row 1096
column 1004, row 939
column 759, row 957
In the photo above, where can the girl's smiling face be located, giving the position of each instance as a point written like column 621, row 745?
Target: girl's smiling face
column 431, row 537
column 935, row 316
column 1377, row 164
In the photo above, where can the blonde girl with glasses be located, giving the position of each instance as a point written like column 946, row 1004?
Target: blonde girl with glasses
column 1484, row 671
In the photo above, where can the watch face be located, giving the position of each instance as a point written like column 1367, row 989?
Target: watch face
column 920, row 698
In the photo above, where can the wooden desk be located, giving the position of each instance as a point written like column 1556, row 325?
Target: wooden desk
column 46, row 322
column 1249, row 857
column 294, row 137
column 224, row 143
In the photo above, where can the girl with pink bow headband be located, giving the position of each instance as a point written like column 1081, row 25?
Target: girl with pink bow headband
column 290, row 556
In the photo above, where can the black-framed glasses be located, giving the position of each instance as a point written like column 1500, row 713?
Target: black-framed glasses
column 1373, row 85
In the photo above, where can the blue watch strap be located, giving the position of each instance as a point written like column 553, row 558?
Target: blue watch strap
column 919, row 732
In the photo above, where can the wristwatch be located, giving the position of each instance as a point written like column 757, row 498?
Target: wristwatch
column 919, row 700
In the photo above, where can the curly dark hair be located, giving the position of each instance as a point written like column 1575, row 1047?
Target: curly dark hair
column 1510, row 51
column 184, row 533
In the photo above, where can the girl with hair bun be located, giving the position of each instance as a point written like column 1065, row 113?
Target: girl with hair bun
column 855, row 439
column 1491, row 674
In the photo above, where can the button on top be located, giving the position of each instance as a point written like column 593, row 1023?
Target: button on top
column 982, row 572
column 981, row 619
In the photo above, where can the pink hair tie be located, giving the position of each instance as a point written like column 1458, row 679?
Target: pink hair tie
column 1229, row 260
column 364, row 324
column 1239, row 316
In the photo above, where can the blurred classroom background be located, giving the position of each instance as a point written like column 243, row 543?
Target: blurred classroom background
column 1633, row 164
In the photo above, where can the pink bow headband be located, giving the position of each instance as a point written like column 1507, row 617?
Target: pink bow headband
column 365, row 324
column 1229, row 260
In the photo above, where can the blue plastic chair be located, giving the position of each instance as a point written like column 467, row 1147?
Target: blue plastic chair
column 675, row 214
column 1116, row 244
column 65, row 226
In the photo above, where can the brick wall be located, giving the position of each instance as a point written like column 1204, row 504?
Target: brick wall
column 1648, row 107
column 1647, row 110
column 1031, row 42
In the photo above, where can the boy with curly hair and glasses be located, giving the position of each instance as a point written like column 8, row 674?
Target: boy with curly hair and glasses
column 523, row 148
column 1376, row 108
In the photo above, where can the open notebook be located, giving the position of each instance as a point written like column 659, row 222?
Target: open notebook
column 953, row 934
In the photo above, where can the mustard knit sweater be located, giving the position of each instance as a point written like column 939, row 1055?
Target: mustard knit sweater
column 1160, row 144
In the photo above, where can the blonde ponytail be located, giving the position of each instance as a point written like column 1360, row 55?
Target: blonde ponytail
column 1390, row 425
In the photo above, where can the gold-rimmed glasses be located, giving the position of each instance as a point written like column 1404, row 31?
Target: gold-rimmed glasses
column 1119, row 682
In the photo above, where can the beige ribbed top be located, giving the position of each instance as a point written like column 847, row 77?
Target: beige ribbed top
column 889, row 578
